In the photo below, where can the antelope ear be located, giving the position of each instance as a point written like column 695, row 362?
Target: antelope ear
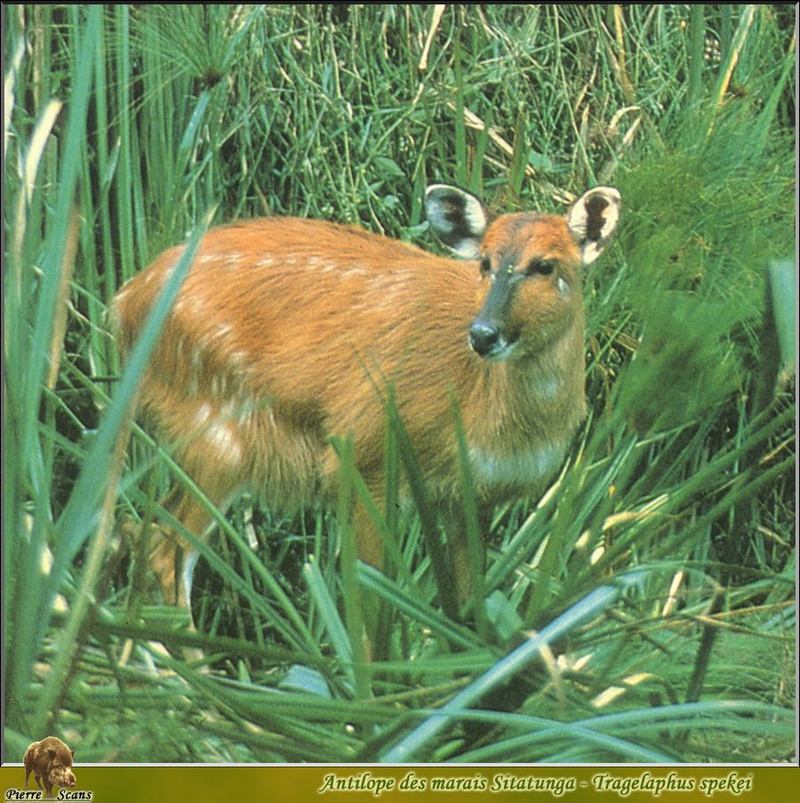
column 592, row 220
column 458, row 218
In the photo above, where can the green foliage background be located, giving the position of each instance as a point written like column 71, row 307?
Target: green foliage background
column 662, row 563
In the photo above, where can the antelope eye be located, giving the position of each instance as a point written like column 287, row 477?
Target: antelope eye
column 541, row 266
column 486, row 266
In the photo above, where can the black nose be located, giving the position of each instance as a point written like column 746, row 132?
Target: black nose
column 483, row 337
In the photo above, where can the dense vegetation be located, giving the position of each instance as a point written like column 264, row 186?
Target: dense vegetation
column 660, row 568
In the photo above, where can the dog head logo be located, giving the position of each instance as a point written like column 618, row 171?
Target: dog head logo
column 50, row 761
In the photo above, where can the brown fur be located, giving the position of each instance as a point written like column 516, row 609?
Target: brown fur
column 50, row 761
column 287, row 331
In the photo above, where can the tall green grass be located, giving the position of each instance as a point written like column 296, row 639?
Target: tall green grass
column 659, row 569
